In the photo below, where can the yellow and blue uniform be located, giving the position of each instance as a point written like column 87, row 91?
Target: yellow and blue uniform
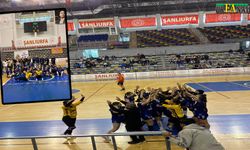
column 28, row 75
column 71, row 110
column 69, row 114
column 39, row 72
column 175, row 109
column 145, row 111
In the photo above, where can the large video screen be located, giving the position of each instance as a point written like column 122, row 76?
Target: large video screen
column 34, row 56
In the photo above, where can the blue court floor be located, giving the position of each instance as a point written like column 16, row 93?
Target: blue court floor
column 220, row 124
column 23, row 91
column 221, row 86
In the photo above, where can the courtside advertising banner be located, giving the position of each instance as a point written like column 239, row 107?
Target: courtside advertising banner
column 218, row 18
column 179, row 20
column 138, row 22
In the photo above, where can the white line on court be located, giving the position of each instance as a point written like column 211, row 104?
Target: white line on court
column 238, row 84
column 211, row 89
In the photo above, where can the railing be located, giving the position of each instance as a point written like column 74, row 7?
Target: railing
column 35, row 147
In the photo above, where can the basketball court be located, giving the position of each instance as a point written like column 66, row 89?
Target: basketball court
column 228, row 106
column 55, row 87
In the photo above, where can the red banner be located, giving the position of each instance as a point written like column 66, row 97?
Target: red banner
column 214, row 18
column 97, row 23
column 179, row 20
column 138, row 22
column 71, row 26
column 248, row 16
column 68, row 3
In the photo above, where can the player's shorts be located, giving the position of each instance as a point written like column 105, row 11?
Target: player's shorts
column 120, row 83
column 156, row 113
column 118, row 119
column 146, row 116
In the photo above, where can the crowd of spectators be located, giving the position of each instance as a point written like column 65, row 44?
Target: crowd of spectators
column 106, row 61
column 179, row 61
column 24, row 68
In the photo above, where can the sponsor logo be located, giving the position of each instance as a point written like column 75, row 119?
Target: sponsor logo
column 179, row 19
column 223, row 8
column 35, row 42
column 137, row 22
column 224, row 17
column 86, row 24
column 105, row 76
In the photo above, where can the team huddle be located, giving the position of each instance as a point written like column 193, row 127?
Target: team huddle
column 146, row 108
column 24, row 69
column 149, row 105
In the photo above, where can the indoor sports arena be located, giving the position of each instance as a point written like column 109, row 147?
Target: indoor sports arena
column 125, row 75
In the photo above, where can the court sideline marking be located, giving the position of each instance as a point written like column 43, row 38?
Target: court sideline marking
column 238, row 84
column 211, row 89
column 96, row 91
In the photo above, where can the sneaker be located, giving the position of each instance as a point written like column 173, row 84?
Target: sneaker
column 133, row 142
column 72, row 128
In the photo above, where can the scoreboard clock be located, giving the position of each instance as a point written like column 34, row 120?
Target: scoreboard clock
column 38, row 26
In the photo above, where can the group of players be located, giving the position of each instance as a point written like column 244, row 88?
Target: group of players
column 151, row 104
column 148, row 106
column 24, row 69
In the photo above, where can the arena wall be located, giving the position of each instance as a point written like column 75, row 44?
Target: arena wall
column 163, row 74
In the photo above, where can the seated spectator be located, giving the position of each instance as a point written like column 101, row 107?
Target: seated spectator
column 206, row 57
column 77, row 65
column 106, row 64
column 241, row 51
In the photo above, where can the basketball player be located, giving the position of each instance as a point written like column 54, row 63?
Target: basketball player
column 117, row 117
column 70, row 113
column 60, row 71
column 120, row 81
column 38, row 74
column 146, row 110
column 28, row 74
column 199, row 107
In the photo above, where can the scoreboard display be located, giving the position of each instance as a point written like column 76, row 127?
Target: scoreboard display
column 38, row 26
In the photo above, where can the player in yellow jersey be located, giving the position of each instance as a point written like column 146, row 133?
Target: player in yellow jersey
column 70, row 113
column 38, row 73
column 177, row 113
column 28, row 74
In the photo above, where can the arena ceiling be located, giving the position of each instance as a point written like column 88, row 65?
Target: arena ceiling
column 85, row 9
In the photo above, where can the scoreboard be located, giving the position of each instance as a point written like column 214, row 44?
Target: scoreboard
column 38, row 26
